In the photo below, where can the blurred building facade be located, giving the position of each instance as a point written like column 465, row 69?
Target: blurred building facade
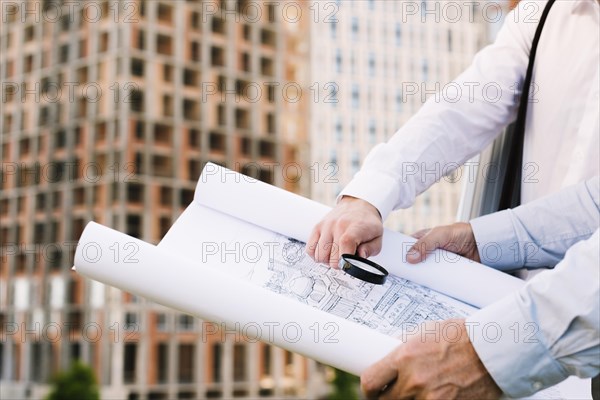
column 376, row 62
column 110, row 109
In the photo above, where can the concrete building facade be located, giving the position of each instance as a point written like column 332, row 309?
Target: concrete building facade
column 110, row 109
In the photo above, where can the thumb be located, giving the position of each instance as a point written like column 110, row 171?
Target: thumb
column 370, row 248
column 432, row 240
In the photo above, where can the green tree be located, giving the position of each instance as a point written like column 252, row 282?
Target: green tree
column 78, row 383
column 345, row 386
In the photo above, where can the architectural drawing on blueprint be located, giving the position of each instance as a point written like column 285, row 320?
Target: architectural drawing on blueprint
column 386, row 308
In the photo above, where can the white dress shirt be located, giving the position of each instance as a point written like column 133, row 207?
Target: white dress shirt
column 562, row 130
column 561, row 149
column 550, row 329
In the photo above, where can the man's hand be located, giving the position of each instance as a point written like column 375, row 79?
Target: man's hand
column 437, row 363
column 353, row 225
column 457, row 238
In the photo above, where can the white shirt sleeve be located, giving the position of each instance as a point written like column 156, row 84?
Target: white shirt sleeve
column 453, row 126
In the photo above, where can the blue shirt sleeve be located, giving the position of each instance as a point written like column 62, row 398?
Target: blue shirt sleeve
column 548, row 330
column 539, row 233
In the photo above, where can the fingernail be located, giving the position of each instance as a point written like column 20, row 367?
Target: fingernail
column 413, row 255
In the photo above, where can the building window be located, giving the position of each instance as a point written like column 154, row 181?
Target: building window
column 338, row 60
column 164, row 45
column 339, row 133
column 239, row 362
column 371, row 64
column 162, row 362
column 271, row 124
column 242, row 118
column 64, row 53
column 136, row 98
column 29, row 33
column 165, row 13
column 161, row 322
column 372, row 131
column 139, row 167
column 425, row 70
column 139, row 129
column 355, row 29
column 217, row 362
column 131, row 320
column 216, row 141
column 246, row 146
column 186, row 197
column 185, row 323
column 194, row 138
column 38, row 232
column 194, row 169
column 135, row 193
column 399, row 101
column 141, row 39
column 355, row 96
column 166, row 195
column 167, row 105
column 104, row 42
column 266, row 359
column 79, row 196
column 164, row 223
column 218, row 25
column 190, row 77
column 266, row 149
column 167, row 73
column 162, row 133
column 191, row 110
column 247, row 32
column 186, row 363
column 221, row 116
column 246, row 63
column 266, row 66
column 36, row 365
column 268, row 38
column 217, row 56
column 163, row 166
column 355, row 162
column 134, row 225
column 271, row 12
column 271, row 93
column 195, row 53
column 129, row 362
column 195, row 20
column 137, row 67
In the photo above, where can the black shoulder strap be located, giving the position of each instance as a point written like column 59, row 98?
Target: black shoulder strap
column 510, row 194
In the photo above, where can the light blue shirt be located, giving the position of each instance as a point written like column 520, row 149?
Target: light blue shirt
column 550, row 329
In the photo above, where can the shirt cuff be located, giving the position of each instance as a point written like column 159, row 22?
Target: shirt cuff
column 496, row 240
column 380, row 190
column 512, row 348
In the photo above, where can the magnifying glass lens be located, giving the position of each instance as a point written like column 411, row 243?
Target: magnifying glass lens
column 365, row 266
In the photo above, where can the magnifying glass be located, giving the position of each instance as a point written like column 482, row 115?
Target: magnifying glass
column 363, row 269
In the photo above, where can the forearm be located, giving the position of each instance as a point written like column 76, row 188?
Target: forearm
column 539, row 233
